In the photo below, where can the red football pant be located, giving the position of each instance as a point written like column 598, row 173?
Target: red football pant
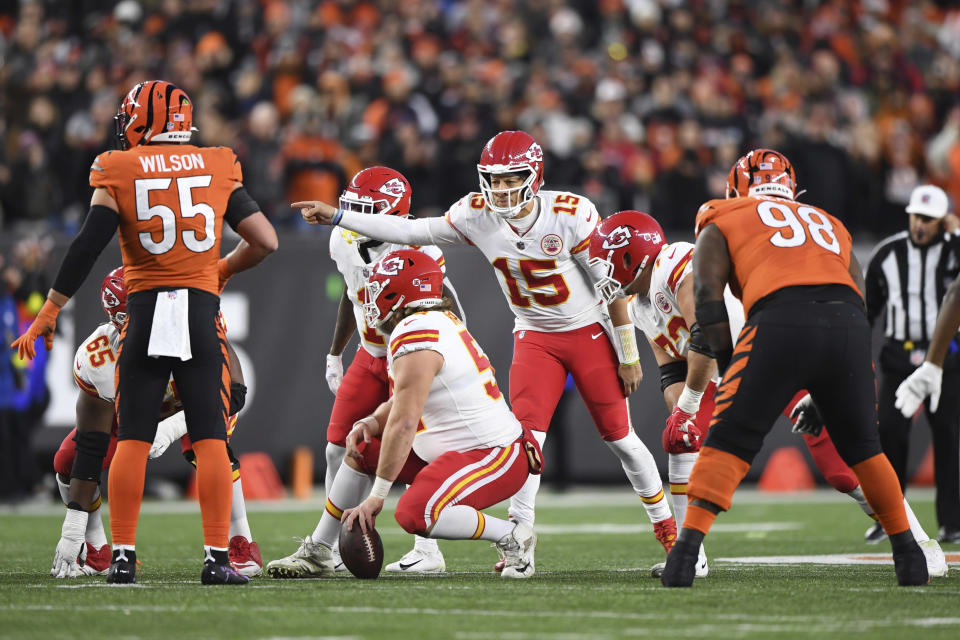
column 825, row 455
column 479, row 478
column 63, row 458
column 364, row 387
column 540, row 365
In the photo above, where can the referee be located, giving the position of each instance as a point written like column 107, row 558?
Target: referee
column 907, row 278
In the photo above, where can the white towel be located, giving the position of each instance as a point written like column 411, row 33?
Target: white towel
column 170, row 334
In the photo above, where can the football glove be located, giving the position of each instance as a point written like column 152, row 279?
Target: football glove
column 168, row 431
column 923, row 382
column 334, row 372
column 806, row 417
column 43, row 325
column 71, row 546
column 681, row 434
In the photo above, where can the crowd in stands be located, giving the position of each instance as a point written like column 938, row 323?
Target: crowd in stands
column 638, row 103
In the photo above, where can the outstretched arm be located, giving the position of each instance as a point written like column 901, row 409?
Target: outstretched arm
column 379, row 227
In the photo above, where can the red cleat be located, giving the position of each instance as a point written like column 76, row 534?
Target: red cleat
column 245, row 556
column 666, row 532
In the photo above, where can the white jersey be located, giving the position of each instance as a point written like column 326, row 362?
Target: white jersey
column 465, row 409
column 542, row 272
column 658, row 314
column 345, row 251
column 95, row 364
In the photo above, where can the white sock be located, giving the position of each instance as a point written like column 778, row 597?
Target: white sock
column 462, row 522
column 679, row 466
column 95, row 534
column 641, row 470
column 523, row 501
column 857, row 495
column 349, row 488
column 334, row 455
column 238, row 513
column 426, row 545
column 124, row 547
column 64, row 488
column 918, row 533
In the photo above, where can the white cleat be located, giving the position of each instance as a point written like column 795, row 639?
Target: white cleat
column 419, row 561
column 311, row 560
column 936, row 562
column 703, row 569
column 338, row 565
column 516, row 549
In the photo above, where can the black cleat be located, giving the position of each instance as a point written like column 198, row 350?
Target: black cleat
column 875, row 534
column 681, row 567
column 221, row 574
column 949, row 535
column 123, row 568
column 911, row 567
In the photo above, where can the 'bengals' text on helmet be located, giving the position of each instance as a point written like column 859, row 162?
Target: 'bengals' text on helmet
column 154, row 111
column 621, row 246
column 511, row 152
column 762, row 172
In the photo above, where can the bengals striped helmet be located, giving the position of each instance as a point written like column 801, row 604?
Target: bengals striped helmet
column 762, row 172
column 154, row 111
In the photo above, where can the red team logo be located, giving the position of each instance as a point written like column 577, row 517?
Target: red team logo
column 390, row 266
column 110, row 300
column 534, row 153
column 551, row 244
column 393, row 188
column 617, row 239
column 662, row 303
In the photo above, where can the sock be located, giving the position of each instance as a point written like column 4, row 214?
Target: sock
column 126, row 490
column 125, row 552
column 214, row 486
column 918, row 533
column 523, row 502
column 828, row 461
column 715, row 477
column 215, row 555
column 679, row 466
column 462, row 522
column 349, row 488
column 882, row 489
column 334, row 454
column 699, row 519
column 426, row 545
column 641, row 470
column 95, row 534
column 238, row 513
column 857, row 494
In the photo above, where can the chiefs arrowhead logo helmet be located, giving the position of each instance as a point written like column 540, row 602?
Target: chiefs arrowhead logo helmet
column 390, row 266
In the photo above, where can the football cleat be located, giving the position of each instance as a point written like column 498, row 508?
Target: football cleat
column 97, row 562
column 338, row 565
column 419, row 561
column 311, row 560
column 875, row 534
column 123, row 568
column 936, row 561
column 681, row 566
column 214, row 573
column 516, row 549
column 911, row 567
column 949, row 535
column 703, row 569
column 666, row 533
column 245, row 556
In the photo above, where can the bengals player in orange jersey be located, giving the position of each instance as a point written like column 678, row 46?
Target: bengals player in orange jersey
column 792, row 266
column 169, row 200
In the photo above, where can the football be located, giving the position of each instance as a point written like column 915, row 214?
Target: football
column 362, row 553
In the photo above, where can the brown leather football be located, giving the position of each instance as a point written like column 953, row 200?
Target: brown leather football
column 362, row 553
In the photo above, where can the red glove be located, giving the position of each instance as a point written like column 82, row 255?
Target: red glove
column 681, row 434
column 43, row 325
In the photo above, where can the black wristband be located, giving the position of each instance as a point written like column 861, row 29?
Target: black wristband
column 96, row 232
column 712, row 312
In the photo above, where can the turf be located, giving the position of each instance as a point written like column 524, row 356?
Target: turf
column 592, row 581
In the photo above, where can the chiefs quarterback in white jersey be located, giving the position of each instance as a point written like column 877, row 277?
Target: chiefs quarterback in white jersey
column 536, row 240
column 375, row 192
column 78, row 463
column 631, row 250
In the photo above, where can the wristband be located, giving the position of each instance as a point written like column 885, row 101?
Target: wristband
column 336, row 217
column 380, row 488
column 689, row 400
column 625, row 344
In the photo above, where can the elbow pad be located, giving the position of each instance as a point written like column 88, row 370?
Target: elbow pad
column 698, row 341
column 672, row 372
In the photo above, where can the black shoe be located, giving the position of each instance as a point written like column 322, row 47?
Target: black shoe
column 681, row 567
column 911, row 567
column 875, row 534
column 949, row 535
column 123, row 568
column 221, row 574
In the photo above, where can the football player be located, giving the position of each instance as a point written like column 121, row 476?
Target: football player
column 536, row 240
column 638, row 263
column 446, row 431
column 168, row 200
column 792, row 266
column 364, row 386
column 78, row 474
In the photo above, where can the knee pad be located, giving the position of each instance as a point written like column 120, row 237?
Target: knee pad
column 91, row 449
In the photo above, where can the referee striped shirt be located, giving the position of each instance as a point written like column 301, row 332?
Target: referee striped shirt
column 907, row 283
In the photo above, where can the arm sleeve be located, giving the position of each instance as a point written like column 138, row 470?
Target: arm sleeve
column 401, row 230
column 239, row 206
column 97, row 231
column 876, row 293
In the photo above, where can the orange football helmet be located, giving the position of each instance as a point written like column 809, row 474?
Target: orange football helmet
column 154, row 111
column 762, row 172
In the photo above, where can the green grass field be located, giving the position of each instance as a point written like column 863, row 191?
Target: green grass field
column 592, row 581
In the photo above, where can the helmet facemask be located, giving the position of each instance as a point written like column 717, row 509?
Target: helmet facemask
column 525, row 192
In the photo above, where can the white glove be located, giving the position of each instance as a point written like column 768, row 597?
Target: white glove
column 168, row 431
column 923, row 382
column 334, row 372
column 71, row 546
column 806, row 417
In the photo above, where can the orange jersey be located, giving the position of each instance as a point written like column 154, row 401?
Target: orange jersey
column 776, row 243
column 172, row 199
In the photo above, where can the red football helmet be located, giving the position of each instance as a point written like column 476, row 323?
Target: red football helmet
column 154, row 111
column 113, row 297
column 622, row 245
column 377, row 190
column 402, row 278
column 511, row 152
column 762, row 172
